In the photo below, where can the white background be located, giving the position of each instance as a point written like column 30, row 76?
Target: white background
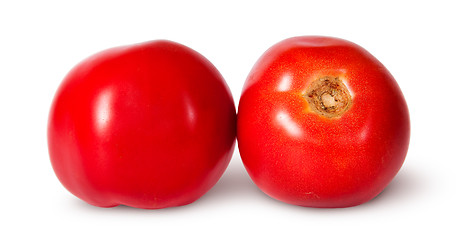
column 41, row 40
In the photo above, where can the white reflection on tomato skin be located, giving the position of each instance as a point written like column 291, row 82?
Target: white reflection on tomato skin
column 285, row 121
column 285, row 83
column 190, row 111
column 365, row 130
column 102, row 110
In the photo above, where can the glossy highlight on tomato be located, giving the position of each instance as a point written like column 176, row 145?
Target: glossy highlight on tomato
column 149, row 125
column 322, row 123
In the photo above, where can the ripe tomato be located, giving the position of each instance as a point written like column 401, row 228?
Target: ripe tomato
column 322, row 123
column 150, row 125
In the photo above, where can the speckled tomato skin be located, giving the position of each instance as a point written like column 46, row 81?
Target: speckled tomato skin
column 302, row 158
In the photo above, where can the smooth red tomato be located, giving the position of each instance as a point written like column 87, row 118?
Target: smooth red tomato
column 149, row 125
column 322, row 123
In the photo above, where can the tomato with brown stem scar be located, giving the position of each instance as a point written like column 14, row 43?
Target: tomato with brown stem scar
column 322, row 123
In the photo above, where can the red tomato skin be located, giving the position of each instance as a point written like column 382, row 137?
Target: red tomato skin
column 300, row 157
column 149, row 125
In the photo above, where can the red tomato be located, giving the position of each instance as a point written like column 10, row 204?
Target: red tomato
column 150, row 125
column 322, row 123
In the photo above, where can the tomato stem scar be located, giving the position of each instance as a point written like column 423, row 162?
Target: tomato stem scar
column 328, row 96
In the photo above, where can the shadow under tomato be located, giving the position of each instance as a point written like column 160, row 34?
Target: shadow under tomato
column 235, row 184
column 407, row 185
